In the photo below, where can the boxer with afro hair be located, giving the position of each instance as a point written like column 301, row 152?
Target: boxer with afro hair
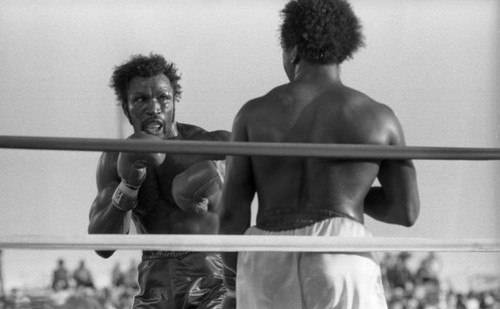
column 321, row 197
column 161, row 193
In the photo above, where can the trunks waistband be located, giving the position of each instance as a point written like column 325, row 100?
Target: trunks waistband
column 290, row 219
column 164, row 254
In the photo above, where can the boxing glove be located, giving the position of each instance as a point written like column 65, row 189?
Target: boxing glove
column 131, row 166
column 193, row 188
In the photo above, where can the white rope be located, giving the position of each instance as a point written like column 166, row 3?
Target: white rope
column 228, row 243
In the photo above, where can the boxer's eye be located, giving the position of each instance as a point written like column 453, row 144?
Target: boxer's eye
column 139, row 100
column 165, row 99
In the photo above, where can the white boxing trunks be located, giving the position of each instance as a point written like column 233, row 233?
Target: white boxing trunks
column 288, row 280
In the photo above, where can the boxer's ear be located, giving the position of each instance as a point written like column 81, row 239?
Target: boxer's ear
column 294, row 55
column 127, row 113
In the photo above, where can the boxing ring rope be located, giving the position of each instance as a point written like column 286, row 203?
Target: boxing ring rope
column 339, row 151
column 229, row 243
column 222, row 243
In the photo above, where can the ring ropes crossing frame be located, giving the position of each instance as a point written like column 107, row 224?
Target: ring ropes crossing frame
column 221, row 243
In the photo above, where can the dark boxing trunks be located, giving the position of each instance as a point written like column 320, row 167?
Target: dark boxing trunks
column 180, row 280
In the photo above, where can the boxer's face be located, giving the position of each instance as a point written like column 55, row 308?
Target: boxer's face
column 151, row 105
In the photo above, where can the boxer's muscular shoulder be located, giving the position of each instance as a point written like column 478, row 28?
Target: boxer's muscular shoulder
column 219, row 135
column 189, row 131
column 193, row 132
column 106, row 168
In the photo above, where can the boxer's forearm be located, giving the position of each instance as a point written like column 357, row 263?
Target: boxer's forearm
column 381, row 208
column 109, row 221
column 106, row 218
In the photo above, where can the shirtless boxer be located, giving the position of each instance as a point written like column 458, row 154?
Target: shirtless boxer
column 161, row 194
column 314, row 196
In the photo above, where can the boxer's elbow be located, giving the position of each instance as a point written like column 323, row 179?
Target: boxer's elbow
column 93, row 230
column 104, row 254
column 412, row 213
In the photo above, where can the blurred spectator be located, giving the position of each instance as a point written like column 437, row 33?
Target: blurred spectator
column 399, row 274
column 488, row 301
column 472, row 301
column 429, row 269
column 60, row 276
column 83, row 277
column 461, row 302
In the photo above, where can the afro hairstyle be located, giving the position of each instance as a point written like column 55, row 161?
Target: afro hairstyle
column 324, row 31
column 143, row 66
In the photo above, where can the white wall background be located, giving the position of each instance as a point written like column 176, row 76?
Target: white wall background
column 436, row 63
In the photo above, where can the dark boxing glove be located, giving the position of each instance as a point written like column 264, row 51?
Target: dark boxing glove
column 125, row 159
column 193, row 188
column 131, row 168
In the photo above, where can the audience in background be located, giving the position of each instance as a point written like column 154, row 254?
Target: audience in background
column 60, row 276
column 83, row 277
column 418, row 287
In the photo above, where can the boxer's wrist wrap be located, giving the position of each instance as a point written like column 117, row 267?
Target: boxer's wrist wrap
column 125, row 196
